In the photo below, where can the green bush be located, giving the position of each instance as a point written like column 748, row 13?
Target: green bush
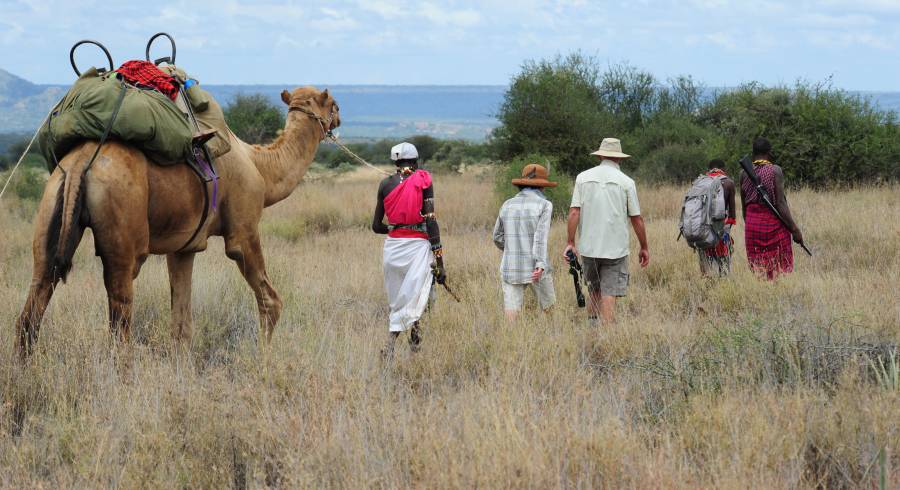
column 564, row 107
column 253, row 118
column 560, row 196
column 30, row 182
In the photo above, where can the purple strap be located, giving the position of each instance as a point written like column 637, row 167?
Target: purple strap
column 209, row 174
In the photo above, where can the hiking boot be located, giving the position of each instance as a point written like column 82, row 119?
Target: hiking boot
column 415, row 338
column 203, row 136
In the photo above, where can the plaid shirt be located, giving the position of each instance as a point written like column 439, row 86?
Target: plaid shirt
column 521, row 232
column 146, row 74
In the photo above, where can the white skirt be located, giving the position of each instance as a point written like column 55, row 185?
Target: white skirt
column 407, row 279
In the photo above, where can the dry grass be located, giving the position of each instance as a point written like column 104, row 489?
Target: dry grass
column 734, row 383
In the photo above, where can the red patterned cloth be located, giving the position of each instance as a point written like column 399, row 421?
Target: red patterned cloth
column 768, row 242
column 403, row 205
column 146, row 74
column 766, row 174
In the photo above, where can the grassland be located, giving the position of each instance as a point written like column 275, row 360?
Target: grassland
column 732, row 383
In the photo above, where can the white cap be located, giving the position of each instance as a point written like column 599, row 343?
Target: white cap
column 404, row 151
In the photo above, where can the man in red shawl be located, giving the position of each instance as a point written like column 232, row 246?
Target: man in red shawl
column 412, row 246
column 768, row 240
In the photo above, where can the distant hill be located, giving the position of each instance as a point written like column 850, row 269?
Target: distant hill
column 23, row 104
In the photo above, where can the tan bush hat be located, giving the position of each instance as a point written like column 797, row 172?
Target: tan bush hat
column 534, row 175
column 611, row 147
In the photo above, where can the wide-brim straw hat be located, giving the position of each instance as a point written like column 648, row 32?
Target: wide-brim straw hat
column 534, row 175
column 611, row 147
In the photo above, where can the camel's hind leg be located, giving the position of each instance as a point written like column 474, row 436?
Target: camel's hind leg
column 249, row 257
column 42, row 284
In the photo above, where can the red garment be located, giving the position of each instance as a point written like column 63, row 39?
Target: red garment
column 766, row 174
column 146, row 74
column 403, row 205
column 768, row 242
column 721, row 249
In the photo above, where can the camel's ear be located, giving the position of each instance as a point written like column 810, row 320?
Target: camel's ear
column 323, row 97
column 286, row 97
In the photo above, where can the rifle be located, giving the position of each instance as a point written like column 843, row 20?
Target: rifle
column 575, row 270
column 747, row 165
column 434, row 272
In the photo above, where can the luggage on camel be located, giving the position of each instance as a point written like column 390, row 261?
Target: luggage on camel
column 146, row 119
column 703, row 213
column 139, row 104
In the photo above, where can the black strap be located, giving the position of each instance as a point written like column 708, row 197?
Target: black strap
column 109, row 126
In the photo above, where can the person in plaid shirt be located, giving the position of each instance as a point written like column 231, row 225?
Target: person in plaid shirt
column 521, row 232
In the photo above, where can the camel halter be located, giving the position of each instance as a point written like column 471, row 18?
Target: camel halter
column 325, row 124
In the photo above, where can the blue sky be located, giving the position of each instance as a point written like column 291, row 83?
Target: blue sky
column 719, row 42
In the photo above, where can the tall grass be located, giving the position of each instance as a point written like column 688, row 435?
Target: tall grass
column 703, row 383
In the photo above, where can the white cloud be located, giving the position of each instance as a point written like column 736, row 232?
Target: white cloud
column 387, row 9
column 446, row 16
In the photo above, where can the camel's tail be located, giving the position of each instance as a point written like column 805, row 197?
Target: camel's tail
column 66, row 223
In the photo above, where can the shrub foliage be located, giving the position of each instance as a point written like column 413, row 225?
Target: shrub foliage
column 565, row 106
column 253, row 118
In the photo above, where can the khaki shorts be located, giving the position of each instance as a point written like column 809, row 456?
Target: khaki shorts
column 609, row 276
column 514, row 294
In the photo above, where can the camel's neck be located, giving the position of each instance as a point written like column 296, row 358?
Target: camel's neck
column 284, row 163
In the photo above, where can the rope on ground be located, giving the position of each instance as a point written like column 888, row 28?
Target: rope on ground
column 21, row 158
column 359, row 159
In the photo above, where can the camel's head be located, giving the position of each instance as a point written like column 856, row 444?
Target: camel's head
column 317, row 105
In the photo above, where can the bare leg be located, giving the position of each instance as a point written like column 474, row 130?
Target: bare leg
column 594, row 304
column 608, row 309
column 387, row 352
column 511, row 315
column 415, row 337
column 249, row 258
column 181, row 267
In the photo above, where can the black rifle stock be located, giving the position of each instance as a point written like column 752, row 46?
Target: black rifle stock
column 575, row 270
column 747, row 165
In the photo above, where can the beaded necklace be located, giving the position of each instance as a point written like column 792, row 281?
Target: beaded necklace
column 762, row 161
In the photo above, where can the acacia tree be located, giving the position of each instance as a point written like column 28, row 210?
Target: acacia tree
column 254, row 118
column 553, row 107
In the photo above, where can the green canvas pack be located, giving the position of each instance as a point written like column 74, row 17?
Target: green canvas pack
column 147, row 119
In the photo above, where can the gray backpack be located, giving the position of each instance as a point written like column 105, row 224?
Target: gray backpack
column 703, row 213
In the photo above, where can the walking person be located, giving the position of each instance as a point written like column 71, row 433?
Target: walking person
column 768, row 240
column 603, row 202
column 521, row 232
column 412, row 246
column 717, row 260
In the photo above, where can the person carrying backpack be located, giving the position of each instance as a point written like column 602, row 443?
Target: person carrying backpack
column 707, row 217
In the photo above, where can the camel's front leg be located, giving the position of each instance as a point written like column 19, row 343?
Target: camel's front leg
column 181, row 267
column 249, row 258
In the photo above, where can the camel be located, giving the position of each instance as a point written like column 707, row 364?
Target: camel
column 135, row 208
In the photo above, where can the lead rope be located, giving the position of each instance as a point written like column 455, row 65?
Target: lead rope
column 27, row 149
column 358, row 158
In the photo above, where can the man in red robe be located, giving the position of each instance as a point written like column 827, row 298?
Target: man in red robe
column 412, row 246
column 768, row 240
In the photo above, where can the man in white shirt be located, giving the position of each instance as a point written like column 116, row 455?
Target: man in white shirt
column 603, row 202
